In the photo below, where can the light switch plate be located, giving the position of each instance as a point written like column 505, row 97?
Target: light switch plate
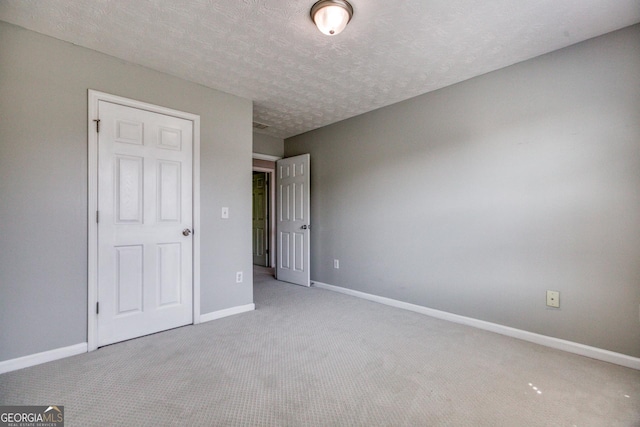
column 225, row 213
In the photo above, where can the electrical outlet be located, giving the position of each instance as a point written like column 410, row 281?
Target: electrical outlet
column 336, row 263
column 239, row 277
column 553, row 299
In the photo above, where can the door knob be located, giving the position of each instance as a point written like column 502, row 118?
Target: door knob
column 186, row 232
column 305, row 227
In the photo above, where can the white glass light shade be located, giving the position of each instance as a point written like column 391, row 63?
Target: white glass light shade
column 331, row 16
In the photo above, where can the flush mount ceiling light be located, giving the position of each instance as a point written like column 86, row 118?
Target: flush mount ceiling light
column 331, row 16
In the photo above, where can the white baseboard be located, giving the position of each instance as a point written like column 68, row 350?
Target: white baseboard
column 60, row 353
column 45, row 356
column 568, row 346
column 226, row 312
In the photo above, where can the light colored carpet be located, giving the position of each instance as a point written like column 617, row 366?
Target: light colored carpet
column 311, row 357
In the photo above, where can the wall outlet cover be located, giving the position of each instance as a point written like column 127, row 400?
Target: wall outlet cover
column 553, row 299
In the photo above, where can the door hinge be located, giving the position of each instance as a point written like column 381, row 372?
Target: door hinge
column 97, row 125
column 97, row 308
column 97, row 216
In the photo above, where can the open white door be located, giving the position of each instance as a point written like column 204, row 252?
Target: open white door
column 293, row 220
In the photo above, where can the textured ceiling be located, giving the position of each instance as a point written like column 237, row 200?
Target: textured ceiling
column 269, row 50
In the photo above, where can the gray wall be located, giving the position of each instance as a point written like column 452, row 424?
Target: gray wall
column 477, row 198
column 267, row 144
column 43, row 185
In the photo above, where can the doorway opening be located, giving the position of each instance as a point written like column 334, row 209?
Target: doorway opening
column 260, row 219
column 263, row 216
column 287, row 218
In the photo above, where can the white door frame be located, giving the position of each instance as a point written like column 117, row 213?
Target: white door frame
column 92, row 185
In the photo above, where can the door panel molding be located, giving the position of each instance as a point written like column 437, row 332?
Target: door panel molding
column 94, row 97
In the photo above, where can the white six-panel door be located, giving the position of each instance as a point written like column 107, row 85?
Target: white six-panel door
column 145, row 222
column 293, row 220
